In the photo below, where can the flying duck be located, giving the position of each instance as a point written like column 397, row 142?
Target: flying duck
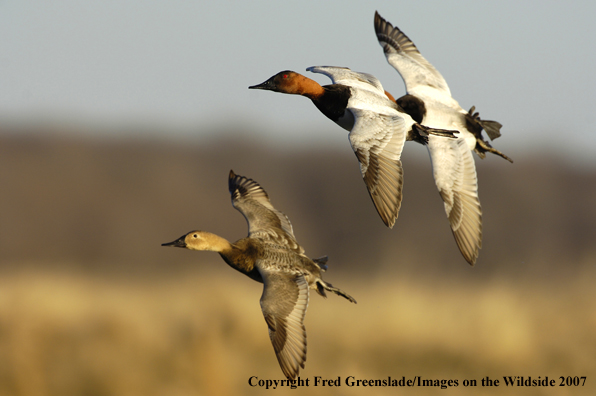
column 428, row 98
column 379, row 127
column 270, row 255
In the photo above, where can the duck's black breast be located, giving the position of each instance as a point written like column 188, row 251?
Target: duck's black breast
column 334, row 101
column 413, row 106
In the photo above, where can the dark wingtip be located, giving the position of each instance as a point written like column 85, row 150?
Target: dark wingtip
column 232, row 181
column 378, row 17
column 380, row 24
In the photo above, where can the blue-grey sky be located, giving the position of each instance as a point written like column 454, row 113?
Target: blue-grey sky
column 186, row 65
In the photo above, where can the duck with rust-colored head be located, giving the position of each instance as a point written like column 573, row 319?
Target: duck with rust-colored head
column 270, row 255
column 379, row 127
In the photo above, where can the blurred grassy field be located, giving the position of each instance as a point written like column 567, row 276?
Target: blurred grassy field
column 202, row 333
column 92, row 305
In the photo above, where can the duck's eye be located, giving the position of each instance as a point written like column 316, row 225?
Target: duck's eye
column 285, row 76
column 195, row 236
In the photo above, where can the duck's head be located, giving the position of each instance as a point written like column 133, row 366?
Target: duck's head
column 286, row 81
column 194, row 240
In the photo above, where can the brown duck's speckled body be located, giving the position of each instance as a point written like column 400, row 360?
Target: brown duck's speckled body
column 270, row 255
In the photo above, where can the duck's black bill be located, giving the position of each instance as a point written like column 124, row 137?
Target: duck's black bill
column 177, row 243
column 268, row 85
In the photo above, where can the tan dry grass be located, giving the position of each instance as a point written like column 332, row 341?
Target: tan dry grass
column 203, row 333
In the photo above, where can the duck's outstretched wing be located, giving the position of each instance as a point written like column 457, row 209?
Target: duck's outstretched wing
column 402, row 54
column 378, row 141
column 284, row 302
column 377, row 137
column 264, row 221
column 455, row 177
column 345, row 76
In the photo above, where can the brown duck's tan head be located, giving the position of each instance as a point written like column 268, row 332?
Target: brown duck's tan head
column 199, row 240
column 290, row 82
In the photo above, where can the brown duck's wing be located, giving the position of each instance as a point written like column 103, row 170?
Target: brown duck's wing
column 264, row 221
column 284, row 302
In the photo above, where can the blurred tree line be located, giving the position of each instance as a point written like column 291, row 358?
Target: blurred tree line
column 106, row 204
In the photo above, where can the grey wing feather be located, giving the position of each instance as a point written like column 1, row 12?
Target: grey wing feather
column 402, row 54
column 284, row 303
column 345, row 76
column 456, row 180
column 264, row 221
column 378, row 141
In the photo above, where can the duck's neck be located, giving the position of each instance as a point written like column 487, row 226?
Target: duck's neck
column 309, row 88
column 391, row 98
column 216, row 243
column 242, row 256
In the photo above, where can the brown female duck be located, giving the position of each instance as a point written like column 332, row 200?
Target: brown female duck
column 270, row 255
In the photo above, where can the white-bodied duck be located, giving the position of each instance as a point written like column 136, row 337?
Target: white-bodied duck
column 378, row 129
column 428, row 98
column 270, row 255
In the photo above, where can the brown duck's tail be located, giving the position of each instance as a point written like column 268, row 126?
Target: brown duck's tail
column 321, row 262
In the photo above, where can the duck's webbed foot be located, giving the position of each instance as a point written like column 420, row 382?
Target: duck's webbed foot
column 329, row 287
column 420, row 133
column 482, row 147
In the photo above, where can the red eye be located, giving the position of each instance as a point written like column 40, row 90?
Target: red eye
column 285, row 76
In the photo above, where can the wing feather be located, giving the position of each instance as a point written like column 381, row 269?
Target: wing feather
column 402, row 54
column 264, row 221
column 378, row 141
column 284, row 303
column 345, row 76
column 455, row 176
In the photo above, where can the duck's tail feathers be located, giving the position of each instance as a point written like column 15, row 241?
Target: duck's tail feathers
column 321, row 262
column 475, row 125
column 492, row 128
